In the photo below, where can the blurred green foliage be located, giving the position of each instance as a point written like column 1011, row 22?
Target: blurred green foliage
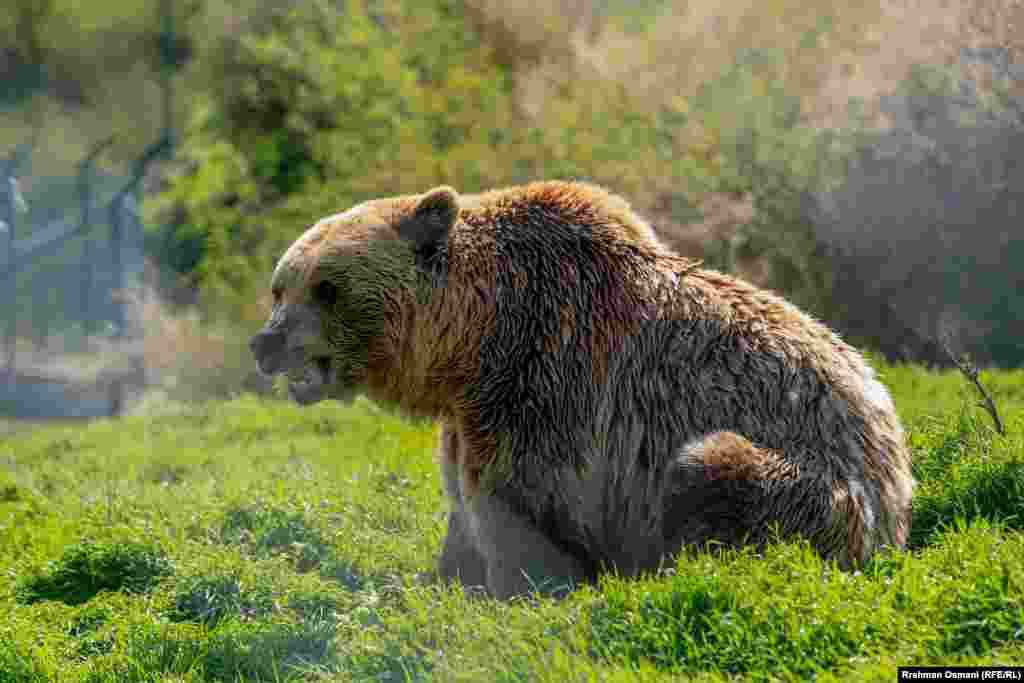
column 303, row 112
column 82, row 71
column 292, row 111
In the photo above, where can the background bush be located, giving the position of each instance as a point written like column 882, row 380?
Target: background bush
column 859, row 158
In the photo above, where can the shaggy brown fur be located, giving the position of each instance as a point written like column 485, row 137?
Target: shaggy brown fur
column 605, row 402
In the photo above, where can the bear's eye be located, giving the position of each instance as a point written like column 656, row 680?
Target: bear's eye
column 325, row 293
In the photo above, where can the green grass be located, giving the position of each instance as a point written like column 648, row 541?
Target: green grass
column 256, row 541
column 87, row 569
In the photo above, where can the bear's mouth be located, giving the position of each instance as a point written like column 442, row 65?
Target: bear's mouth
column 308, row 383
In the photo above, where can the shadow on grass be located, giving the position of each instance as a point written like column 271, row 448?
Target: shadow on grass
column 976, row 489
column 89, row 619
column 391, row 663
column 270, row 653
column 271, row 531
column 86, row 569
column 274, row 532
column 965, row 471
column 210, row 599
column 344, row 573
column 256, row 651
column 250, row 651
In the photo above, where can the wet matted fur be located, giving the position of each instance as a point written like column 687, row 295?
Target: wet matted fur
column 605, row 402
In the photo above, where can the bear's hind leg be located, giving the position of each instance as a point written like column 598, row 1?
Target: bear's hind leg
column 722, row 488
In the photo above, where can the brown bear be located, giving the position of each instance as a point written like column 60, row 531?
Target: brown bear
column 604, row 402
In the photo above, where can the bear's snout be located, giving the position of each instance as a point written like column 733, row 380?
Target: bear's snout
column 268, row 349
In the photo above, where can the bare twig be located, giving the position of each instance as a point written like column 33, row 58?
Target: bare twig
column 971, row 372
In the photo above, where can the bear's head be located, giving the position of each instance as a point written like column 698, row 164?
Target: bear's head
column 340, row 293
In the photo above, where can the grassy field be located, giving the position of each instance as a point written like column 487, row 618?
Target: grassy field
column 255, row 541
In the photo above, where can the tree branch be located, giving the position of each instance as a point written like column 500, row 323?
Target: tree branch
column 970, row 371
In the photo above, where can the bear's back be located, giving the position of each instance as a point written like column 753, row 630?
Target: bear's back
column 572, row 204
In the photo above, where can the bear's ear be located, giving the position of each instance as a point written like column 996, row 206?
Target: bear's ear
column 428, row 225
